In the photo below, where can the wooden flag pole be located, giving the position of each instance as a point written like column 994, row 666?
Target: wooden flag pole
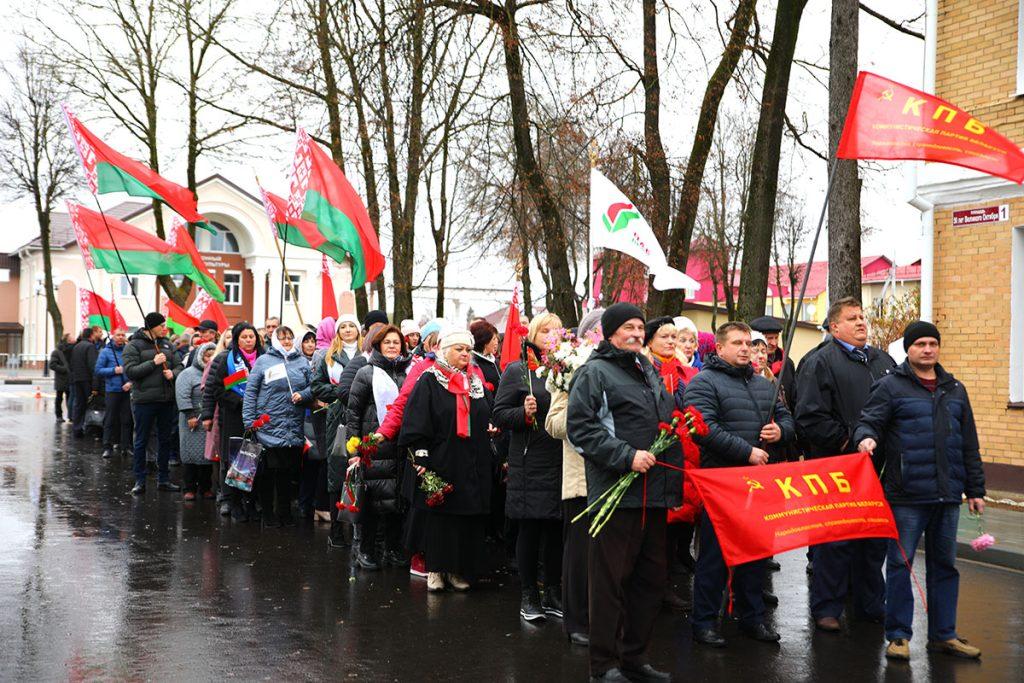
column 285, row 279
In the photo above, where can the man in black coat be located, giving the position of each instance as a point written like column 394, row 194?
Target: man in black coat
column 933, row 462
column 60, row 363
column 736, row 405
column 83, row 382
column 831, row 389
column 616, row 402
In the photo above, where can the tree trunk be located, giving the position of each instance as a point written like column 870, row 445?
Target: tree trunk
column 844, row 272
column 689, row 195
column 43, row 217
column 524, row 264
column 759, row 212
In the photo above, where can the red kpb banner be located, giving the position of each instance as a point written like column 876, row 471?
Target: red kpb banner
column 759, row 511
column 888, row 120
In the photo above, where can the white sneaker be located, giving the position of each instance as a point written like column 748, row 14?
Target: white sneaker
column 458, row 583
column 435, row 582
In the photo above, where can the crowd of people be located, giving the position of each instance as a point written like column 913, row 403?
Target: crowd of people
column 416, row 443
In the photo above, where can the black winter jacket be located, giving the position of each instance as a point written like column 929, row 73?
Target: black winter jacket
column 534, row 489
column 384, row 474
column 60, row 363
column 931, row 441
column 83, row 362
column 148, row 382
column 735, row 404
column 832, row 387
column 329, row 393
column 616, row 402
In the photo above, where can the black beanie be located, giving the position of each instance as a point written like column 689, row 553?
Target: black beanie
column 375, row 317
column 154, row 319
column 918, row 329
column 616, row 315
column 652, row 327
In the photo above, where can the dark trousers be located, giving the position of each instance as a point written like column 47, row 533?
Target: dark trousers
column 370, row 520
column 849, row 566
column 532, row 533
column 63, row 396
column 711, row 576
column 575, row 555
column 309, row 483
column 81, row 391
column 162, row 416
column 274, row 479
column 627, row 581
column 197, row 477
column 117, row 420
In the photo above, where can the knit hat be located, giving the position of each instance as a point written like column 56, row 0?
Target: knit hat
column 684, row 323
column 208, row 325
column 652, row 327
column 757, row 338
column 616, row 315
column 455, row 335
column 917, row 330
column 766, row 324
column 346, row 318
column 375, row 317
column 154, row 319
column 409, row 327
column 432, row 326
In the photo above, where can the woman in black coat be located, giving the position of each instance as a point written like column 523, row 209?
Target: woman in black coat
column 223, row 393
column 534, row 491
column 374, row 389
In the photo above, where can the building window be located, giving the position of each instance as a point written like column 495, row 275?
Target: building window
column 296, row 280
column 232, row 288
column 1017, row 316
column 223, row 242
column 124, row 289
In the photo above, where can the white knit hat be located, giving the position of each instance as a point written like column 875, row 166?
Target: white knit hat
column 409, row 327
column 346, row 318
column 455, row 335
column 756, row 336
column 684, row 323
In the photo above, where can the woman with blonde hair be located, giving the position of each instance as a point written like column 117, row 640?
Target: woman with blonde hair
column 534, row 492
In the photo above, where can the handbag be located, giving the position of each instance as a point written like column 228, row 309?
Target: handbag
column 337, row 460
column 244, row 463
column 353, row 495
column 313, row 453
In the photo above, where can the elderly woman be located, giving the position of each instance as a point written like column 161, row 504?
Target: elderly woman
column 188, row 394
column 278, row 386
column 445, row 426
column 374, row 391
column 534, row 493
column 576, row 550
column 223, row 394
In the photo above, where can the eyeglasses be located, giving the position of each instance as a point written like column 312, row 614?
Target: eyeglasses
column 285, row 337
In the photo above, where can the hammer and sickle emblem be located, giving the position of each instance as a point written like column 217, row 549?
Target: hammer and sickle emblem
column 752, row 484
column 886, row 95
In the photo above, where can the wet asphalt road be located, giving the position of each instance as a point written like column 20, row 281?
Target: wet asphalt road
column 95, row 585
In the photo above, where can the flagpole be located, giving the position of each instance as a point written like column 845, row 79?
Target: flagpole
column 590, row 253
column 793, row 313
column 284, row 268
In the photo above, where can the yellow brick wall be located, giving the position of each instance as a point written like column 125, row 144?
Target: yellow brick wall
column 972, row 311
column 976, row 62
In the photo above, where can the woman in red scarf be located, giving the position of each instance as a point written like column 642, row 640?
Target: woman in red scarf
column 660, row 336
column 445, row 426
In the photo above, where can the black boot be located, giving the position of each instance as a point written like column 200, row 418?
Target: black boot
column 552, row 602
column 529, row 607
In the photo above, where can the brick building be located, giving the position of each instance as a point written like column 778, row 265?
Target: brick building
column 972, row 280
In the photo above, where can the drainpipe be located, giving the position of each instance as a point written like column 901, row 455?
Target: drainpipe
column 926, row 208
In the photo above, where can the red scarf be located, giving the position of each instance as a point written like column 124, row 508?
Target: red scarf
column 670, row 370
column 458, row 385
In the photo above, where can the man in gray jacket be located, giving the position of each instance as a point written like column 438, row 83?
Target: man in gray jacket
column 151, row 365
column 737, row 406
column 616, row 402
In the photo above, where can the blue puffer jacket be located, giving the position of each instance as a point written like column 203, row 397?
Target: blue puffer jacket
column 110, row 358
column 268, row 391
column 931, row 443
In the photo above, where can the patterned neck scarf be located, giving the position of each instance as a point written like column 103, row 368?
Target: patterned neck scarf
column 464, row 387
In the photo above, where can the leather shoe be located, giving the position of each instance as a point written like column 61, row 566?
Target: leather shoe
column 645, row 673
column 710, row 637
column 579, row 638
column 139, row 489
column 827, row 624
column 366, row 562
column 770, row 599
column 772, row 565
column 107, row 453
column 612, row 675
column 167, row 486
column 675, row 601
column 760, row 632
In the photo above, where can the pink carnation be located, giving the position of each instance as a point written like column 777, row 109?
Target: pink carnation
column 983, row 542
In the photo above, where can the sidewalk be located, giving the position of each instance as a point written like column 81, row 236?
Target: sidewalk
column 1006, row 524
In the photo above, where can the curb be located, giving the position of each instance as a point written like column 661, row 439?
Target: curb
column 18, row 381
column 993, row 556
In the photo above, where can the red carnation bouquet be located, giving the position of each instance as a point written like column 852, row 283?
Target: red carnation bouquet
column 682, row 428
column 366, row 447
column 434, row 487
column 261, row 421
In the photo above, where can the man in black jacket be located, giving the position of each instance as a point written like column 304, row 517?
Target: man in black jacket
column 616, row 402
column 923, row 413
column 60, row 363
column 151, row 365
column 831, row 389
column 736, row 405
column 83, row 383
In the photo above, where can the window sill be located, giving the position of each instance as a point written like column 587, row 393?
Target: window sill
column 1015, row 405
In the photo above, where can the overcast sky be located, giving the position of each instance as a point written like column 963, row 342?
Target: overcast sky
column 896, row 230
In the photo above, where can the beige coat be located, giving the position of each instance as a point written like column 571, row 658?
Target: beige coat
column 574, row 476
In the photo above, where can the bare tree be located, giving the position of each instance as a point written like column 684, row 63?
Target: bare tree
column 35, row 159
column 790, row 234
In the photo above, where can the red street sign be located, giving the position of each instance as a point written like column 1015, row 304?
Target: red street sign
column 986, row 214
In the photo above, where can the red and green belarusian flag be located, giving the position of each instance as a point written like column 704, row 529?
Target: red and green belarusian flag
column 180, row 240
column 117, row 247
column 296, row 231
column 205, row 308
column 98, row 311
column 107, row 170
column 321, row 193
column 178, row 319
column 236, row 378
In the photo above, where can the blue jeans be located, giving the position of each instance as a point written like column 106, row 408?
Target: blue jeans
column 938, row 524
column 710, row 578
column 163, row 415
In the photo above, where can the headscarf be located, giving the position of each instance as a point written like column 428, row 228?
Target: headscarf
column 325, row 332
column 276, row 343
column 200, row 351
